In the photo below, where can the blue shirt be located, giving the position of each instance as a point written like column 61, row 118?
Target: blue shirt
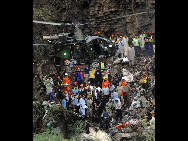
column 86, row 70
column 75, row 101
column 51, row 97
column 64, row 103
column 105, row 91
column 75, row 91
column 112, row 88
column 114, row 96
column 105, row 114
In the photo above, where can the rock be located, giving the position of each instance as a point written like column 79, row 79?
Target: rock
column 95, row 136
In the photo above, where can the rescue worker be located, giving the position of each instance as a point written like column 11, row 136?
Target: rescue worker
column 113, row 38
column 118, row 39
column 66, row 81
column 89, row 109
column 101, row 67
column 147, row 45
column 105, row 81
column 144, row 81
column 151, row 38
column 123, row 82
column 136, row 42
column 59, row 83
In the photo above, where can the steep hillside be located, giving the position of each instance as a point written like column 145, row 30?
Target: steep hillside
column 93, row 11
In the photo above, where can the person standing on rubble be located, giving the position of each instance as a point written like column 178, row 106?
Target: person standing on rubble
column 131, row 55
column 147, row 45
column 82, row 105
column 118, row 112
column 136, row 42
column 92, row 76
column 142, row 35
column 66, row 81
column 121, row 47
column 120, row 91
column 113, row 38
column 126, row 94
column 105, row 91
column 105, row 81
column 89, row 105
column 144, row 81
column 86, row 74
column 106, row 119
column 126, row 45
column 109, row 107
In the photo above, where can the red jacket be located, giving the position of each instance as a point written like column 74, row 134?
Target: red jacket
column 76, row 68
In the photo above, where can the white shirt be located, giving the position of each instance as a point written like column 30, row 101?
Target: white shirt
column 118, row 106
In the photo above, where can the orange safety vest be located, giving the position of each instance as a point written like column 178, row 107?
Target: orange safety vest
column 108, row 84
column 66, row 80
column 123, row 83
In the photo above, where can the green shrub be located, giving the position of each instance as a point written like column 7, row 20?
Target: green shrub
column 48, row 135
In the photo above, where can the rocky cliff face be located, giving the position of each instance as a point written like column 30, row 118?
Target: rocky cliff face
column 98, row 13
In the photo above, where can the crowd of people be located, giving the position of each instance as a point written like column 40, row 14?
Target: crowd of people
column 101, row 91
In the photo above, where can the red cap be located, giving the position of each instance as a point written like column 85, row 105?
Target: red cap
column 75, row 82
column 144, row 72
column 112, row 35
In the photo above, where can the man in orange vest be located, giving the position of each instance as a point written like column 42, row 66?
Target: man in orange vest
column 107, row 82
column 66, row 82
column 123, row 82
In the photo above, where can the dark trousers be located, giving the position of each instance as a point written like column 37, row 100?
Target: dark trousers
column 105, row 122
column 137, row 51
column 148, row 46
column 126, row 98
column 92, row 81
column 77, row 109
column 107, row 97
column 144, row 86
column 118, row 114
